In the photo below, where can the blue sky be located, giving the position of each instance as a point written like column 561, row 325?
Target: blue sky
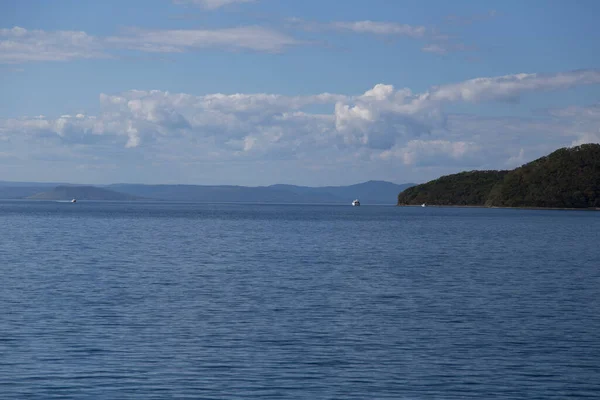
column 257, row 92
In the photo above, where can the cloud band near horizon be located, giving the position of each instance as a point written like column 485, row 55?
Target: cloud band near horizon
column 384, row 124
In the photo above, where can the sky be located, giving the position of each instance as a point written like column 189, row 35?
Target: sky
column 259, row 92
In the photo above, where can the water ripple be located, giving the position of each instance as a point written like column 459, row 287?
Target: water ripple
column 156, row 300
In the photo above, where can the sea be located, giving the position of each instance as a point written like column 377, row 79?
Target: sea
column 159, row 300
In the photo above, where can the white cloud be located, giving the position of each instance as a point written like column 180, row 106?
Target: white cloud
column 254, row 38
column 383, row 125
column 431, row 152
column 383, row 115
column 212, row 4
column 18, row 45
column 584, row 122
column 435, row 48
column 516, row 160
column 510, row 86
column 445, row 47
column 379, row 28
column 440, row 43
column 587, row 137
column 592, row 112
column 69, row 129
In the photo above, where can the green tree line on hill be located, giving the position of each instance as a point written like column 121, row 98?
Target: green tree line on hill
column 462, row 189
column 566, row 178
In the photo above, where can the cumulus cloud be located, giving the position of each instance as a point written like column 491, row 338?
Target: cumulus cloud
column 65, row 128
column 384, row 124
column 587, row 137
column 383, row 114
column 212, row 4
column 517, row 160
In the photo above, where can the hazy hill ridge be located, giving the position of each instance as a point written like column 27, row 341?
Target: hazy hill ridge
column 371, row 192
column 566, row 178
column 66, row 192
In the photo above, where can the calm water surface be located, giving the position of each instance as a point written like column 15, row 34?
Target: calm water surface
column 218, row 301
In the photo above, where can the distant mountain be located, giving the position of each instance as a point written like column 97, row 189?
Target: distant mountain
column 29, row 184
column 20, row 192
column 195, row 193
column 372, row 192
column 566, row 178
column 81, row 193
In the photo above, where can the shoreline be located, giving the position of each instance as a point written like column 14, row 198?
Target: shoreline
column 509, row 208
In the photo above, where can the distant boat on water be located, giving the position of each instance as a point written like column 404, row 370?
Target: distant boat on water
column 356, row 203
column 74, row 201
column 423, row 205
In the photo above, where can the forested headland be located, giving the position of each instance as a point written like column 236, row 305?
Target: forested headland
column 566, row 178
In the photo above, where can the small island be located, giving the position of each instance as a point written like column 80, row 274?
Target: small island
column 566, row 178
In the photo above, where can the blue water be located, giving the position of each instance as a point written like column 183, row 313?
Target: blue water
column 107, row 300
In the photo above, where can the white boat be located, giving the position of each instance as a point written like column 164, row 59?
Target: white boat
column 423, row 205
column 356, row 203
column 74, row 201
